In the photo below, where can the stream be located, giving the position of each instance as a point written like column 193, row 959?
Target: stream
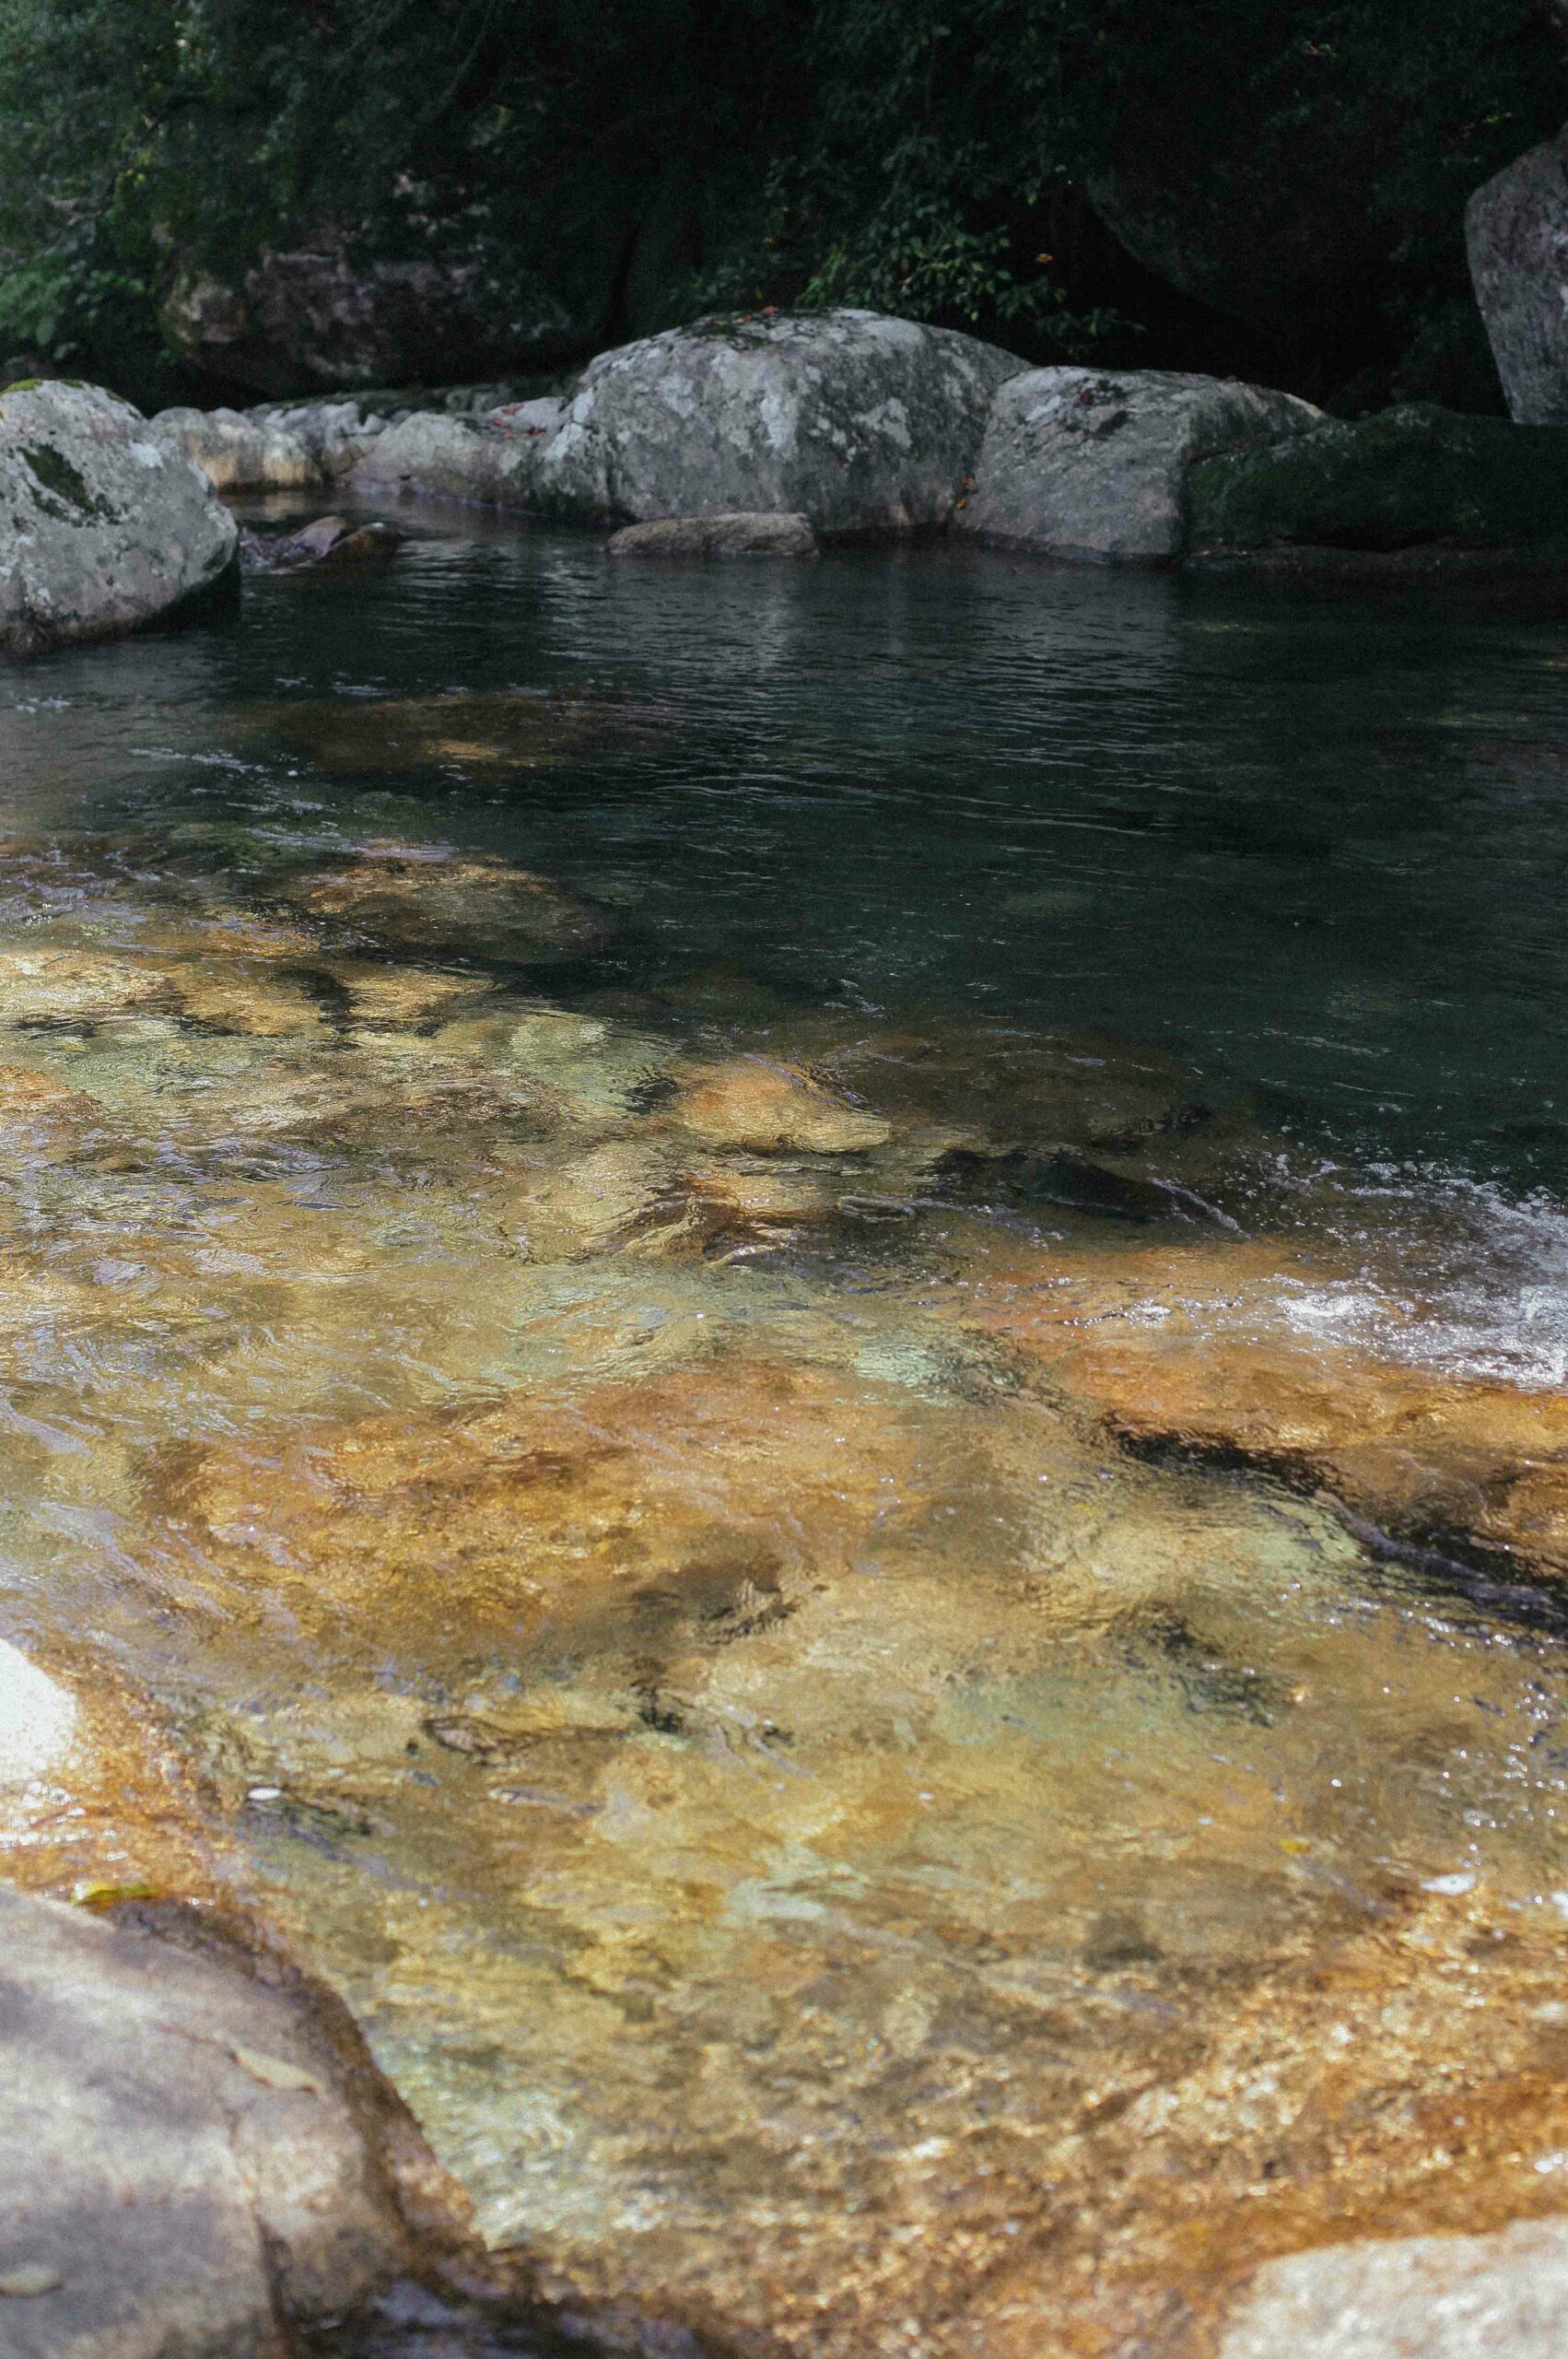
column 763, row 1341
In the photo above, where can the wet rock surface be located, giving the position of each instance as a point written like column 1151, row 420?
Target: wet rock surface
column 737, row 535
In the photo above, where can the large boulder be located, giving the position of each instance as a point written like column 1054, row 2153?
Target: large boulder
column 859, row 423
column 1517, row 228
column 489, row 461
column 196, row 2153
column 1081, row 463
column 1405, row 479
column 103, row 525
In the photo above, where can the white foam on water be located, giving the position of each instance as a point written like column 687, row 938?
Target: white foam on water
column 1481, row 1291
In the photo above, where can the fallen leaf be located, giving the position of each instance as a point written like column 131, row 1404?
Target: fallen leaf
column 275, row 2071
column 34, row 2277
column 109, row 1896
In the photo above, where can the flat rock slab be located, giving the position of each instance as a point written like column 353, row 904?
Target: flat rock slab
column 195, row 2158
column 104, row 526
column 1516, row 230
column 1502, row 2296
column 1077, row 463
column 740, row 534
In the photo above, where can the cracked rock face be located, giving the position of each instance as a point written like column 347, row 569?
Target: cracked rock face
column 1080, row 462
column 198, row 2156
column 104, row 527
column 1516, row 229
column 859, row 423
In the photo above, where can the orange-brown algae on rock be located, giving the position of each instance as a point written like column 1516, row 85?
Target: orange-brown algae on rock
column 1195, row 1347
column 753, row 1104
column 44, row 1120
column 635, row 1507
column 428, row 897
column 116, row 1812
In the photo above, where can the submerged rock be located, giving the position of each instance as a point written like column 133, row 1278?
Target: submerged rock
column 1406, row 479
column 103, row 528
column 1080, row 462
column 428, row 897
column 757, row 1104
column 859, row 423
column 1516, row 229
column 199, row 2153
column 329, row 540
column 737, row 535
column 1196, row 1347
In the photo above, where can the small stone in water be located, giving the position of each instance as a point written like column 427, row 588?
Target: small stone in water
column 33, row 2278
column 1463, row 1881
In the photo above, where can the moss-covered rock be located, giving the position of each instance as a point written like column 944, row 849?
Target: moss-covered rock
column 1403, row 479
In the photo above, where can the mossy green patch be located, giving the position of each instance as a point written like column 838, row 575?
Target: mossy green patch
column 64, row 481
column 1400, row 480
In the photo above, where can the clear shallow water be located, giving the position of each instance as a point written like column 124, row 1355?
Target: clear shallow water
column 825, row 1840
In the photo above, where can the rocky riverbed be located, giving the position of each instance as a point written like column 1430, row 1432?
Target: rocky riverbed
column 700, row 1402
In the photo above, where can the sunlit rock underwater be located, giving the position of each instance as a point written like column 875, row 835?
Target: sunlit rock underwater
column 816, row 1418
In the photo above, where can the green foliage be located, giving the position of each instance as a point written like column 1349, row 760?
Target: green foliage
column 950, row 162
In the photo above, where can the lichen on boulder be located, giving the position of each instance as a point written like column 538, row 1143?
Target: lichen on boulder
column 104, row 526
column 861, row 423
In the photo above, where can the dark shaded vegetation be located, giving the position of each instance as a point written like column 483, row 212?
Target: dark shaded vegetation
column 1273, row 188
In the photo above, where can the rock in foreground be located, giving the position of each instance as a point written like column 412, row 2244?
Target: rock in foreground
column 858, row 423
column 199, row 2157
column 104, row 527
column 741, row 534
column 1078, row 463
column 1517, row 228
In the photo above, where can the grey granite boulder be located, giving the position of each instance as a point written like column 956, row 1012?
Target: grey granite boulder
column 1516, row 229
column 436, row 455
column 859, row 423
column 236, row 452
column 734, row 535
column 1499, row 2296
column 103, row 525
column 196, row 2154
column 1079, row 462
